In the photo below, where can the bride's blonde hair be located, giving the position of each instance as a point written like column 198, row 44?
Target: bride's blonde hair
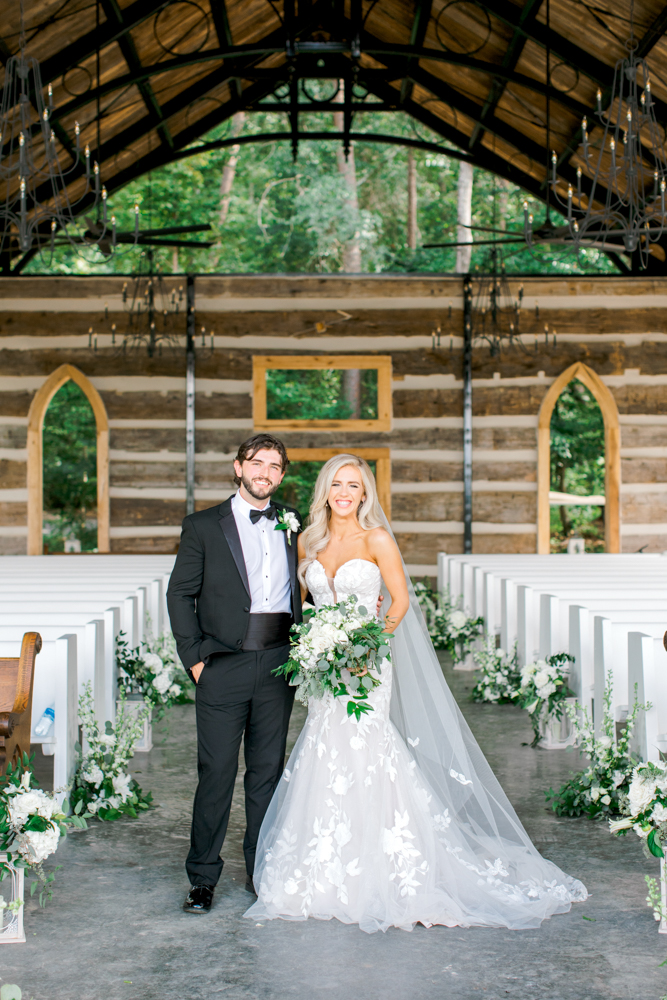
column 369, row 513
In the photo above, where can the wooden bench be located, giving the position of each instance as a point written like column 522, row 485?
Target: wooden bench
column 16, row 680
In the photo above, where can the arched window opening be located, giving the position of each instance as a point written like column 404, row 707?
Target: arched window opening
column 69, row 456
column 577, row 470
column 579, row 424
column 76, row 449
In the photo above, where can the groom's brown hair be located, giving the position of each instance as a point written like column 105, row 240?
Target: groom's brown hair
column 256, row 443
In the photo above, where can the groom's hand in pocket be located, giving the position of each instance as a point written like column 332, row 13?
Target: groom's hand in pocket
column 196, row 671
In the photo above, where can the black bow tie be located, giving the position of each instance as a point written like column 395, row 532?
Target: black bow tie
column 269, row 513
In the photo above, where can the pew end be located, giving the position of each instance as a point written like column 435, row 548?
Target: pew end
column 17, row 675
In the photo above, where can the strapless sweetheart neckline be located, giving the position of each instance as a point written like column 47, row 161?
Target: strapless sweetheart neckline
column 347, row 563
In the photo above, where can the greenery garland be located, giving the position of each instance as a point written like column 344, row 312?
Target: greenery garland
column 601, row 790
column 102, row 785
column 449, row 627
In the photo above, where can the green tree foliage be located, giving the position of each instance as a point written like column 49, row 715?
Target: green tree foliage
column 70, row 469
column 577, row 465
column 317, row 394
column 287, row 216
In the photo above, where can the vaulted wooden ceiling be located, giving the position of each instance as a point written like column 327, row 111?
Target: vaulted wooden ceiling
column 146, row 79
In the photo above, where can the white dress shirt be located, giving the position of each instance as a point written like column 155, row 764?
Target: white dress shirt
column 265, row 556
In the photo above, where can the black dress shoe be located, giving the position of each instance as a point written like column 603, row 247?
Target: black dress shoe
column 199, row 899
column 250, row 887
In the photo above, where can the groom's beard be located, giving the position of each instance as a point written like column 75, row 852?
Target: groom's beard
column 258, row 492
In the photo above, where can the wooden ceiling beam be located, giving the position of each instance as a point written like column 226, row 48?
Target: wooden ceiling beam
column 99, row 38
column 646, row 43
column 137, row 130
column 568, row 52
column 128, row 49
column 510, row 61
column 224, row 33
column 417, row 36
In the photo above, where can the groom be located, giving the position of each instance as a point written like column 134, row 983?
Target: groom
column 232, row 597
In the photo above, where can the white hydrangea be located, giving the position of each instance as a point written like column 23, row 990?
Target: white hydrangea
column 93, row 774
column 457, row 619
column 35, row 846
column 162, row 682
column 659, row 814
column 153, row 662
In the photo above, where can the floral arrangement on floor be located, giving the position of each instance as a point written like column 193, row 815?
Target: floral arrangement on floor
column 601, row 790
column 31, row 824
column 544, row 690
column 152, row 670
column 645, row 807
column 102, row 785
column 338, row 650
column 449, row 627
column 499, row 677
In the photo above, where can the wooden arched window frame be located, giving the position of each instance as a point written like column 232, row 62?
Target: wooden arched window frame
column 612, row 453
column 36, row 415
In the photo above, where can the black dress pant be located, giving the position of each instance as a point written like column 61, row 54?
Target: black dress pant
column 237, row 697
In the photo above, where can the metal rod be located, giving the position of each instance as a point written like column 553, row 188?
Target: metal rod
column 190, row 398
column 467, row 414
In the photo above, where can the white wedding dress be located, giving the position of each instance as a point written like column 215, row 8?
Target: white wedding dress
column 355, row 832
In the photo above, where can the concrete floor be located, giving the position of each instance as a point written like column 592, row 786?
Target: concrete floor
column 115, row 928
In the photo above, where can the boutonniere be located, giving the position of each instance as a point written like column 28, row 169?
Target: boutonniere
column 287, row 521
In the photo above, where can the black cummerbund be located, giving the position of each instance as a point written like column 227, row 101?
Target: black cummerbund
column 267, row 631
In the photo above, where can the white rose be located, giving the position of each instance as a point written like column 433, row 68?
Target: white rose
column 541, row 679
column 33, row 802
column 457, row 619
column 640, row 794
column 606, row 799
column 595, row 793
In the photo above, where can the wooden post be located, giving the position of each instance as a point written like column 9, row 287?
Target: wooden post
column 467, row 414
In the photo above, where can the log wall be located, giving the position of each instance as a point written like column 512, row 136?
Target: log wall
column 615, row 326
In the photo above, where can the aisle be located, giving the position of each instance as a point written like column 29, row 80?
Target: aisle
column 115, row 929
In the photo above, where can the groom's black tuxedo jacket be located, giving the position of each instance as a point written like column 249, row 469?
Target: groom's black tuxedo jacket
column 209, row 596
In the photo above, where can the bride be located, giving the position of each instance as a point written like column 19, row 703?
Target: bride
column 394, row 819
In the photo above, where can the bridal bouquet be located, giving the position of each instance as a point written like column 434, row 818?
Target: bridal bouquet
column 339, row 650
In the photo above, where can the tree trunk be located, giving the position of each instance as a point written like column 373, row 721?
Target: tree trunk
column 351, row 385
column 174, row 260
column 503, row 201
column 464, row 211
column 347, row 170
column 412, row 201
column 229, row 170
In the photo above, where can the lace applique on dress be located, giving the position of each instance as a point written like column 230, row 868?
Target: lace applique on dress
column 354, row 832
